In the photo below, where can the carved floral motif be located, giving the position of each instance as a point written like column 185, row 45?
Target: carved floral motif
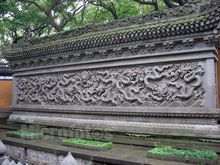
column 163, row 85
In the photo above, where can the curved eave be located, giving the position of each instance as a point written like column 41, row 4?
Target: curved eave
column 192, row 24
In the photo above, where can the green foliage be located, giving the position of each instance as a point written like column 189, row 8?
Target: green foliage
column 187, row 154
column 90, row 143
column 24, row 134
column 46, row 17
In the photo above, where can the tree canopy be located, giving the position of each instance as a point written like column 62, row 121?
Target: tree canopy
column 45, row 17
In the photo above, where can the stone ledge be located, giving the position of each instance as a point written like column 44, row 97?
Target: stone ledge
column 194, row 112
column 184, row 130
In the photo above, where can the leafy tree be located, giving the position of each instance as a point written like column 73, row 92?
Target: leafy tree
column 45, row 17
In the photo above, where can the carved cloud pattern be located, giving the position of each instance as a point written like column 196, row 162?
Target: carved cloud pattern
column 164, row 85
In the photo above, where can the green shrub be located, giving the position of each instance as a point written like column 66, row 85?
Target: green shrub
column 188, row 154
column 24, row 134
column 89, row 143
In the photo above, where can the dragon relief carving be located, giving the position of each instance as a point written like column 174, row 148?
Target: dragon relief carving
column 164, row 85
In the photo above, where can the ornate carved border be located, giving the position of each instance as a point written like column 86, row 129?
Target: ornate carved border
column 198, row 113
column 112, row 53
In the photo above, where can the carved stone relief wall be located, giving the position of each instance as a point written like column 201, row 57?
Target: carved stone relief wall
column 164, row 85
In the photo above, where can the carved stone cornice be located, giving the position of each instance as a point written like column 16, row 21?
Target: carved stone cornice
column 176, row 46
column 199, row 113
column 204, row 19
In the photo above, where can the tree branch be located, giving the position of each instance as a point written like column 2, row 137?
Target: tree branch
column 153, row 3
column 36, row 4
column 105, row 6
column 48, row 13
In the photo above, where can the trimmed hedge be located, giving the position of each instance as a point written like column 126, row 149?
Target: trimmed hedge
column 183, row 155
column 24, row 134
column 88, row 144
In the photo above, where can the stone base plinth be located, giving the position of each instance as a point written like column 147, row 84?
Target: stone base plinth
column 184, row 122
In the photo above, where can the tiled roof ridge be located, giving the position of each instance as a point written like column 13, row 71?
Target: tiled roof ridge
column 201, row 19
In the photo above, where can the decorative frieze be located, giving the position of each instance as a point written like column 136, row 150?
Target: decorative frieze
column 164, row 85
column 119, row 52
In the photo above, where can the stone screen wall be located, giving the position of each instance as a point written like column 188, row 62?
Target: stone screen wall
column 154, row 74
